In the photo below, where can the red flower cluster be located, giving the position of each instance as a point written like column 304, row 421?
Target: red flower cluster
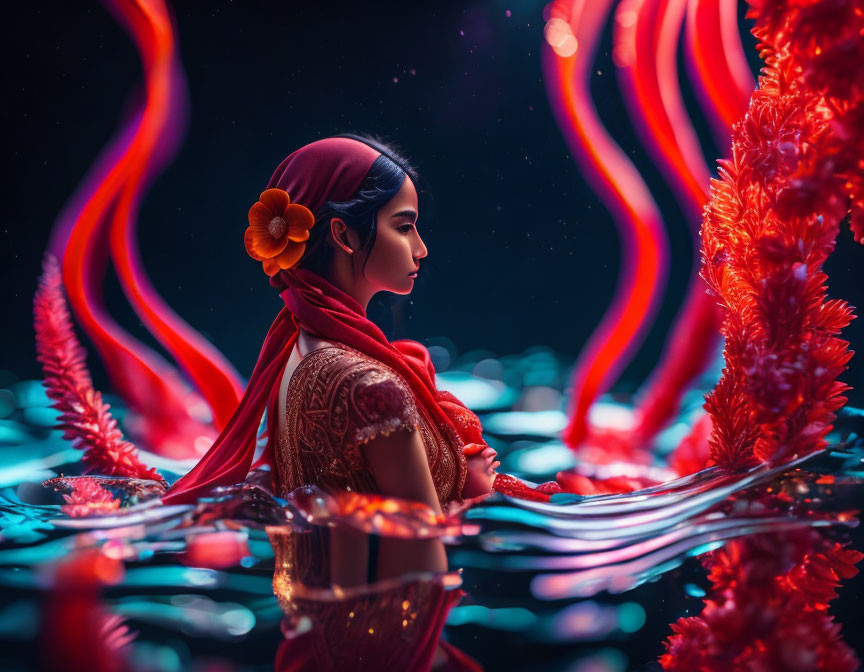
column 795, row 172
column 85, row 418
column 767, row 608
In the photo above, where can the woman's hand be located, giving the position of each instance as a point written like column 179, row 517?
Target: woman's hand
column 481, row 473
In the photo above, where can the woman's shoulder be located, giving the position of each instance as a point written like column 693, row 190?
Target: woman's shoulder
column 361, row 396
column 347, row 365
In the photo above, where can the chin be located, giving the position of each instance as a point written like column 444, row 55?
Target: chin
column 402, row 289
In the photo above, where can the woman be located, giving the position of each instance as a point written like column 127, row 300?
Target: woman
column 349, row 410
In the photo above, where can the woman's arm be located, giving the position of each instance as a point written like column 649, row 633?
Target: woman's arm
column 399, row 465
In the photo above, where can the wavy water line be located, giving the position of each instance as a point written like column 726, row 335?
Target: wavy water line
column 647, row 498
column 628, row 575
column 614, row 543
column 521, row 541
column 660, row 547
column 630, row 518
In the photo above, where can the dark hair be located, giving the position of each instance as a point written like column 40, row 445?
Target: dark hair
column 383, row 181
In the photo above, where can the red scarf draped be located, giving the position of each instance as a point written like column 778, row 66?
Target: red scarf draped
column 331, row 169
column 313, row 303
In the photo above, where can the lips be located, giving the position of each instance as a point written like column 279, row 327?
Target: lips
column 412, row 275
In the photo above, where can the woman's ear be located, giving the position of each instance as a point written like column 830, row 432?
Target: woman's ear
column 339, row 231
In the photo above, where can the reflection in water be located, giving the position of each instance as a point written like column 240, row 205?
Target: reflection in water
column 170, row 585
column 386, row 625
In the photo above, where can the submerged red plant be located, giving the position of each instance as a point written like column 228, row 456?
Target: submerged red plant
column 84, row 417
column 77, row 632
column 88, row 498
column 767, row 608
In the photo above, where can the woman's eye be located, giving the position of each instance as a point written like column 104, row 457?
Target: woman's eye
column 406, row 228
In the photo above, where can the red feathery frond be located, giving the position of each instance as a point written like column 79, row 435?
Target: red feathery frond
column 84, row 417
column 773, row 219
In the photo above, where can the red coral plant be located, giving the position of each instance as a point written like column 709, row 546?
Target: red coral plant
column 84, row 417
column 774, row 216
column 773, row 219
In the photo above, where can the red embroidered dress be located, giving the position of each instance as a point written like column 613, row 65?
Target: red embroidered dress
column 338, row 399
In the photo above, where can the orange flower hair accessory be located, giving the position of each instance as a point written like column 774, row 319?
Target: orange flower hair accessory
column 278, row 231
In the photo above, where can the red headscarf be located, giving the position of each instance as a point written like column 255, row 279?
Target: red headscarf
column 327, row 170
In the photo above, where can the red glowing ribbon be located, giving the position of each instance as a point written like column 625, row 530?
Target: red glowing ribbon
column 109, row 203
column 573, row 31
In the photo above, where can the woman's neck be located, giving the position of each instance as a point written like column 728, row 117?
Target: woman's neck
column 343, row 277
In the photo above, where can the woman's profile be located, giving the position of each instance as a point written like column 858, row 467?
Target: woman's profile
column 348, row 410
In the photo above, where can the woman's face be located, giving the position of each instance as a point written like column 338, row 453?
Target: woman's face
column 395, row 257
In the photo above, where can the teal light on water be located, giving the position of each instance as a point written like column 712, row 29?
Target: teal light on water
column 19, row 620
column 705, row 548
column 148, row 656
column 7, row 403
column 475, row 392
column 543, row 459
column 193, row 614
column 155, row 577
column 566, row 498
column 20, row 467
column 538, row 423
column 693, row 590
column 41, row 417
column 607, row 660
column 507, row 514
column 631, row 617
column 18, row 578
column 27, row 531
column 512, row 619
column 261, row 549
column 12, row 433
column 259, row 585
column 238, row 621
column 30, row 393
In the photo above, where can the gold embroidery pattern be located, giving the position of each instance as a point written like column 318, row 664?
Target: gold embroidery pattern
column 337, row 400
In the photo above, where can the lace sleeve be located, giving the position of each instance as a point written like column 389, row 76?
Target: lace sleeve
column 381, row 403
column 338, row 400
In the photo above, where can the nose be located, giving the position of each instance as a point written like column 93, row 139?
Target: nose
column 420, row 250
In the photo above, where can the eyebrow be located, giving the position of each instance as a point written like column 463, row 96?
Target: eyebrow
column 405, row 213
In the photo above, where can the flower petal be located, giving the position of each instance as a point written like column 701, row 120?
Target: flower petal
column 291, row 255
column 261, row 245
column 276, row 200
column 260, row 215
column 271, row 268
column 300, row 219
